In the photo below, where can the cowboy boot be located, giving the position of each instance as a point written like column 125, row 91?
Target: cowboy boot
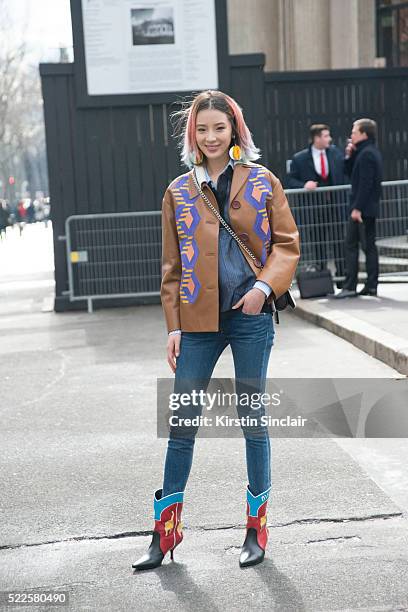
column 253, row 549
column 167, row 533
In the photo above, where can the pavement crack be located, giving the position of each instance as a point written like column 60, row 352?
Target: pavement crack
column 218, row 527
column 48, row 388
column 135, row 534
column 337, row 540
column 345, row 519
column 114, row 536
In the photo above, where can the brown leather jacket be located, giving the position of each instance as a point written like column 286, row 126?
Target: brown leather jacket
column 259, row 214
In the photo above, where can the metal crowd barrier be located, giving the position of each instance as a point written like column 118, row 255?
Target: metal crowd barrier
column 113, row 255
column 322, row 218
column 119, row 255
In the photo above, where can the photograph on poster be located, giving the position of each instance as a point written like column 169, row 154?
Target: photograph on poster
column 153, row 26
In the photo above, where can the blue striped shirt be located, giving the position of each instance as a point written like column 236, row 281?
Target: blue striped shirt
column 235, row 276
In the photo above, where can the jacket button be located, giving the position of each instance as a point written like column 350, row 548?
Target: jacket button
column 244, row 237
column 235, row 204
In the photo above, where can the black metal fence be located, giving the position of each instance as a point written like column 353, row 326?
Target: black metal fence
column 322, row 216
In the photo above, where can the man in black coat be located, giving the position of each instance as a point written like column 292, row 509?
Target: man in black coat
column 320, row 165
column 363, row 163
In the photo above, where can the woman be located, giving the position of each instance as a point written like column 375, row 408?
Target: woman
column 214, row 294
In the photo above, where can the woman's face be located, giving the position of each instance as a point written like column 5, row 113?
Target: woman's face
column 213, row 134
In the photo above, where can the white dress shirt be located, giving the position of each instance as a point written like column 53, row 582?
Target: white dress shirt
column 316, row 153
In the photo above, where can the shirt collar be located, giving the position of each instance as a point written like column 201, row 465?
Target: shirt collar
column 203, row 176
column 318, row 151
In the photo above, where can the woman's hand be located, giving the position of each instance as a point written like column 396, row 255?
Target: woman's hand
column 252, row 301
column 173, row 350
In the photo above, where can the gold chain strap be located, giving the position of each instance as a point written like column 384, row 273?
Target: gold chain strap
column 223, row 222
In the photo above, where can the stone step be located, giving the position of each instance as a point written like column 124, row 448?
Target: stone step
column 387, row 264
column 393, row 247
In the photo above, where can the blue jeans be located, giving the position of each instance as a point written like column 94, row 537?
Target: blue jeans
column 251, row 340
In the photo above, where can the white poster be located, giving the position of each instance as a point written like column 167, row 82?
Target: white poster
column 147, row 46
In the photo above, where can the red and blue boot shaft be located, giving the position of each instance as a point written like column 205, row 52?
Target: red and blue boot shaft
column 168, row 530
column 253, row 549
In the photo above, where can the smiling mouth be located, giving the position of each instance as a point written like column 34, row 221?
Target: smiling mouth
column 212, row 147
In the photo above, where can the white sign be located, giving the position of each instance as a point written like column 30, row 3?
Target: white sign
column 147, row 46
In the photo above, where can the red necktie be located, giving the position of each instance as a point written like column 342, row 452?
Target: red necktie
column 323, row 172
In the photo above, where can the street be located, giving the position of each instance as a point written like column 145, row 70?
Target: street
column 79, row 463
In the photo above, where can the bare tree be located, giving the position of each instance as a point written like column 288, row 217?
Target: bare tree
column 21, row 117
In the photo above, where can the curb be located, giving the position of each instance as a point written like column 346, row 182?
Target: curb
column 386, row 347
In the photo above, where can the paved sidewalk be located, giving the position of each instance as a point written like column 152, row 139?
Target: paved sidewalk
column 376, row 325
column 343, row 567
column 79, row 462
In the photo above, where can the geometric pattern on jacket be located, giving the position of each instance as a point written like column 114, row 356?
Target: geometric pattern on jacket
column 187, row 219
column 257, row 191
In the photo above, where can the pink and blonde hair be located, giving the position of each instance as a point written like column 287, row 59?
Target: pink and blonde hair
column 213, row 99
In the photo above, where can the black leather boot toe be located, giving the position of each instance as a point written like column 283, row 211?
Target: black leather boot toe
column 251, row 552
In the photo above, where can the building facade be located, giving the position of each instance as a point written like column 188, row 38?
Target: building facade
column 320, row 34
column 392, row 32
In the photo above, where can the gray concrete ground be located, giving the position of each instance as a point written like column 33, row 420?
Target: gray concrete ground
column 79, row 461
column 376, row 325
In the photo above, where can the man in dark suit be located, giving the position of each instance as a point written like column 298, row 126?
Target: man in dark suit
column 363, row 163
column 320, row 165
